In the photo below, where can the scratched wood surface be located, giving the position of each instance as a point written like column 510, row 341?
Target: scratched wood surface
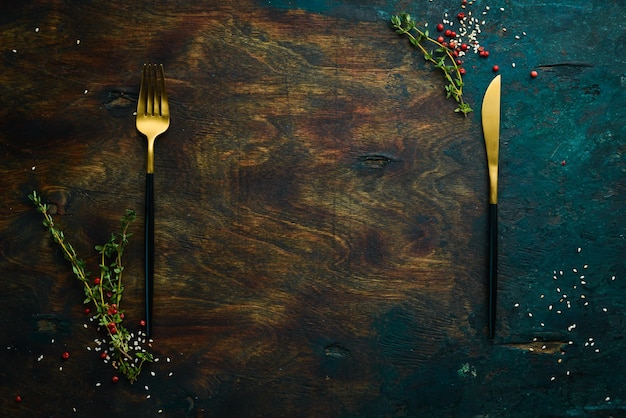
column 320, row 221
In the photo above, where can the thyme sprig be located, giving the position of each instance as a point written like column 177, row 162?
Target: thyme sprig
column 440, row 56
column 104, row 292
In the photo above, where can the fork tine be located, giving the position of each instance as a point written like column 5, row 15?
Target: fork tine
column 165, row 108
column 143, row 93
column 151, row 92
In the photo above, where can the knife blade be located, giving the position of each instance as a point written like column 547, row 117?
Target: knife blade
column 490, row 115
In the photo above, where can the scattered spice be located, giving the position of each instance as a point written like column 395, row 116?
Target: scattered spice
column 438, row 54
column 104, row 292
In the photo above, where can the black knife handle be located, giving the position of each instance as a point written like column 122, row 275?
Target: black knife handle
column 493, row 267
column 149, row 256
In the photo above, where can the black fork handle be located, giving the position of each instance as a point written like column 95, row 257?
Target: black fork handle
column 149, row 256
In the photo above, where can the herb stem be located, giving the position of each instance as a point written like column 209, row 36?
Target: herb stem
column 106, row 293
column 441, row 57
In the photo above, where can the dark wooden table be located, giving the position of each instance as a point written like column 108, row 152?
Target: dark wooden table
column 321, row 211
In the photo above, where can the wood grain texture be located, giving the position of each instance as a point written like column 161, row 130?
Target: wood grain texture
column 320, row 215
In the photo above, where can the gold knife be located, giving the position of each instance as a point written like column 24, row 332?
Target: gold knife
column 491, row 131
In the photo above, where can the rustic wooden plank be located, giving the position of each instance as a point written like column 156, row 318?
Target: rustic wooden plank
column 320, row 219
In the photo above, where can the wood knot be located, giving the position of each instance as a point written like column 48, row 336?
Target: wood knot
column 375, row 161
column 120, row 101
column 59, row 200
column 336, row 351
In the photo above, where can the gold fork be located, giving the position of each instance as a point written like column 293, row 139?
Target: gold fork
column 153, row 118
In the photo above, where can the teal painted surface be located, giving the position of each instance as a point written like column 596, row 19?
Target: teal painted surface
column 562, row 209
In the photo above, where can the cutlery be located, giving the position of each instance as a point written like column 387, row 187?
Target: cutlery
column 491, row 132
column 153, row 118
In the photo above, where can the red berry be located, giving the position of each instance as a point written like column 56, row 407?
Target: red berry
column 65, row 355
column 103, row 355
column 448, row 32
column 440, row 39
column 115, row 379
column 453, row 34
column 87, row 311
column 533, row 74
column 496, row 68
column 464, row 2
column 563, row 162
column 462, row 71
column 18, row 399
column 460, row 16
column 142, row 322
column 96, row 280
column 459, row 62
column 464, row 47
column 440, row 27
